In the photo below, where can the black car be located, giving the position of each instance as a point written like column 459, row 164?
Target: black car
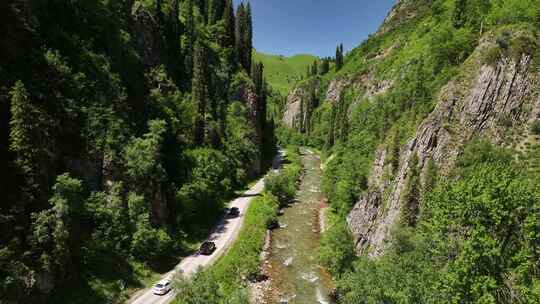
column 233, row 212
column 207, row 248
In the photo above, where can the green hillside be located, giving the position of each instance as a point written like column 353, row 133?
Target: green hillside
column 282, row 72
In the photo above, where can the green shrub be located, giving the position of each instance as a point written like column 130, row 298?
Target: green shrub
column 282, row 184
column 337, row 250
column 535, row 127
column 491, row 55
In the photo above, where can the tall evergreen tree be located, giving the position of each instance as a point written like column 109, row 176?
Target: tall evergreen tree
column 239, row 34
column 325, row 66
column 339, row 57
column 314, row 69
column 215, row 10
column 203, row 9
column 190, row 39
column 248, row 39
column 199, row 90
column 228, row 19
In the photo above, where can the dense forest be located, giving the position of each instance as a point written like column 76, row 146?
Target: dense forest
column 125, row 126
column 430, row 132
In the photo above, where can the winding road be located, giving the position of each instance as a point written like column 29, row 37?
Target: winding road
column 223, row 235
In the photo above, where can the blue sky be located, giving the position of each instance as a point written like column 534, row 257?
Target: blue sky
column 289, row 27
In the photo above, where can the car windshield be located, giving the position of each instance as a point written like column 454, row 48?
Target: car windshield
column 159, row 285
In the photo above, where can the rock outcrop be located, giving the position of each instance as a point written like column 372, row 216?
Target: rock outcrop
column 490, row 102
column 293, row 112
column 335, row 89
column 300, row 105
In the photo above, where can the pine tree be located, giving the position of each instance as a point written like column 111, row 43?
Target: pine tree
column 412, row 193
column 203, row 9
column 228, row 18
column 314, row 69
column 239, row 33
column 339, row 57
column 325, row 66
column 248, row 39
column 199, row 90
column 190, row 39
column 215, row 10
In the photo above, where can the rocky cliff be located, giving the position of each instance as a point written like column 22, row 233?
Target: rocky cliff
column 497, row 101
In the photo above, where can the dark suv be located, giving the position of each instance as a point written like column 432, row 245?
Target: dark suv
column 233, row 212
column 207, row 248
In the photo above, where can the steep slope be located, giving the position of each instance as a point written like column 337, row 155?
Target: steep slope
column 444, row 90
column 281, row 72
column 119, row 144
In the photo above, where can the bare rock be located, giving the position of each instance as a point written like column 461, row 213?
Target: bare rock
column 293, row 113
column 335, row 89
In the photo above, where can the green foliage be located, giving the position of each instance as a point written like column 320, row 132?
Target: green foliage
column 223, row 283
column 535, row 127
column 283, row 183
column 149, row 243
column 404, row 274
column 54, row 231
column 142, row 155
column 239, row 143
column 337, row 250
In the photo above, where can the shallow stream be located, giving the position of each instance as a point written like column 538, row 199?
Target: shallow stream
column 291, row 264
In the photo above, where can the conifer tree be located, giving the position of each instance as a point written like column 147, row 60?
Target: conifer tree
column 339, row 57
column 190, row 39
column 248, row 38
column 325, row 66
column 228, row 18
column 412, row 193
column 239, row 35
column 199, row 90
column 314, row 69
column 215, row 10
column 203, row 9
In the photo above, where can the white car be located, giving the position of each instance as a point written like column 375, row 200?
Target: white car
column 162, row 287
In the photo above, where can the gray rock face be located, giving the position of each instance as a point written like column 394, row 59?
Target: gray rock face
column 299, row 108
column 335, row 89
column 467, row 107
column 293, row 113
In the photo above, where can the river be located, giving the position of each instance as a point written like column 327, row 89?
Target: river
column 295, row 276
